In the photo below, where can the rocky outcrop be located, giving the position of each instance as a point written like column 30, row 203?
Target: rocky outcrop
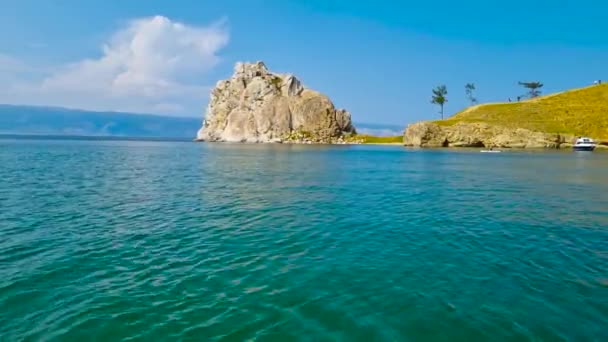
column 429, row 134
column 256, row 105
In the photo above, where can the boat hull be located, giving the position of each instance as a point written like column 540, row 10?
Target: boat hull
column 584, row 148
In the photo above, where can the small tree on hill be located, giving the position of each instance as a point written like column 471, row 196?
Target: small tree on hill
column 469, row 88
column 439, row 97
column 533, row 88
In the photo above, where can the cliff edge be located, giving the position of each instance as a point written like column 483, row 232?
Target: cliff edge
column 257, row 105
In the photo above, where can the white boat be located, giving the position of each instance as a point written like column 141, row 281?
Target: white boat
column 490, row 150
column 584, row 144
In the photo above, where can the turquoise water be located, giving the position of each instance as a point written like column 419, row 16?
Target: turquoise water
column 152, row 241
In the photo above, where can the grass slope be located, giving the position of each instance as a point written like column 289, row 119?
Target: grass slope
column 578, row 112
column 370, row 139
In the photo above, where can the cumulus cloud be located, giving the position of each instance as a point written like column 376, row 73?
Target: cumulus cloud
column 151, row 65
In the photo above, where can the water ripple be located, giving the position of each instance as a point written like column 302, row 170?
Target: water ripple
column 126, row 241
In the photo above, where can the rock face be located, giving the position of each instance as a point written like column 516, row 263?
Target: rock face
column 428, row 134
column 256, row 105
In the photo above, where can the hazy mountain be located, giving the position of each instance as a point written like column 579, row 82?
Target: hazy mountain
column 63, row 121
column 381, row 130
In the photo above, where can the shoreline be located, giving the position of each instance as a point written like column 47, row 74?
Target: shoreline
column 568, row 148
column 602, row 148
column 388, row 144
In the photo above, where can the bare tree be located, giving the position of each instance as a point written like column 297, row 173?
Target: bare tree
column 469, row 88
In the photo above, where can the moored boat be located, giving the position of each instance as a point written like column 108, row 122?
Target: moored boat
column 490, row 150
column 584, row 144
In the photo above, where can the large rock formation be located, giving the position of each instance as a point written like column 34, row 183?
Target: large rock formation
column 256, row 105
column 428, row 134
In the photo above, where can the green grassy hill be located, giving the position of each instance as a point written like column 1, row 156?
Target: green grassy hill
column 577, row 112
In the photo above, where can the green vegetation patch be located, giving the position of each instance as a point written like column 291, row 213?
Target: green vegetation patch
column 277, row 81
column 370, row 139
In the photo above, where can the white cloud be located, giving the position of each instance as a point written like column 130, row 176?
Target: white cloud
column 152, row 65
column 11, row 65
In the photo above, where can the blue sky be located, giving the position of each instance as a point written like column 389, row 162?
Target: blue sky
column 377, row 59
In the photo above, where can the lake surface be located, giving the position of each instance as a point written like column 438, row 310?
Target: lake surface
column 152, row 241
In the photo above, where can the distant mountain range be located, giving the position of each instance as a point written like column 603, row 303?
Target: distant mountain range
column 381, row 130
column 62, row 121
column 35, row 120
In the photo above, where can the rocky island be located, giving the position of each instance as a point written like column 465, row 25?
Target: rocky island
column 259, row 106
column 551, row 121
